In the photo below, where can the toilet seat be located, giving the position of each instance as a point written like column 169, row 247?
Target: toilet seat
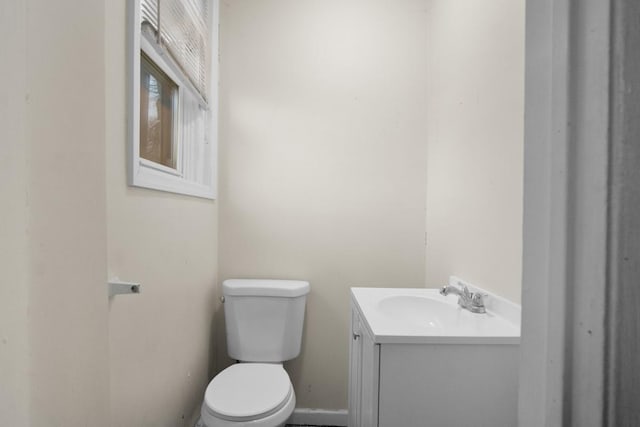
column 248, row 391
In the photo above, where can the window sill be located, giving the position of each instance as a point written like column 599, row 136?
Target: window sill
column 148, row 175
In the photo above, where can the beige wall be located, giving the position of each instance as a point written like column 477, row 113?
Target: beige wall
column 66, row 196
column 68, row 356
column 475, row 144
column 323, row 160
column 160, row 341
column 55, row 248
column 14, row 291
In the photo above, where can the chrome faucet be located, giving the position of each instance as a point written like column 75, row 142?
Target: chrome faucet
column 472, row 301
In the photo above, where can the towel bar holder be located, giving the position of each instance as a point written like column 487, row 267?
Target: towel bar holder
column 117, row 287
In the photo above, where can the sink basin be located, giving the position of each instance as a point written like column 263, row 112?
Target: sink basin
column 422, row 311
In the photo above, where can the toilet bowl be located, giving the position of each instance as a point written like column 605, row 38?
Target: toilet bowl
column 249, row 394
column 264, row 322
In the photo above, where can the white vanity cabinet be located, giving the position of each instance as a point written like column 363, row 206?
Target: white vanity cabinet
column 435, row 380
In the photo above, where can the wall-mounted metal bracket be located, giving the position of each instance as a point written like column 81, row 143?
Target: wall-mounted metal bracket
column 117, row 287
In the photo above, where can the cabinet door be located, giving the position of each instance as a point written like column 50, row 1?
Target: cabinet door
column 364, row 356
column 370, row 361
column 355, row 370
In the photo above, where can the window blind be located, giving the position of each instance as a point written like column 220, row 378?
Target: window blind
column 184, row 31
column 149, row 13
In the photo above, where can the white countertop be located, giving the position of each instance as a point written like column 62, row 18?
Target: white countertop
column 422, row 316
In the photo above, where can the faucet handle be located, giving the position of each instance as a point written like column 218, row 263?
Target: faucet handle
column 477, row 299
column 465, row 290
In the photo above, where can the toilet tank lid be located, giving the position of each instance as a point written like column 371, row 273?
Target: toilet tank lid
column 265, row 287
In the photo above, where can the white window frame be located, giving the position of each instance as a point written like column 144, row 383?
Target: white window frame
column 145, row 173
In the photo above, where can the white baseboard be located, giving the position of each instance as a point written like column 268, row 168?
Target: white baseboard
column 319, row 417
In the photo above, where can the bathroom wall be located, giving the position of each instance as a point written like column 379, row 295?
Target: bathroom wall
column 68, row 356
column 161, row 340
column 53, row 305
column 322, row 161
column 14, row 292
column 475, row 143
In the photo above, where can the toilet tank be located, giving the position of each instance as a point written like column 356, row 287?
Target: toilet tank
column 264, row 318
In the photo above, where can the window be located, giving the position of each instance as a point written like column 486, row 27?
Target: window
column 174, row 96
column 158, row 115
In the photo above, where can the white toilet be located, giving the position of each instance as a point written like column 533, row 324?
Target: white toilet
column 264, row 321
